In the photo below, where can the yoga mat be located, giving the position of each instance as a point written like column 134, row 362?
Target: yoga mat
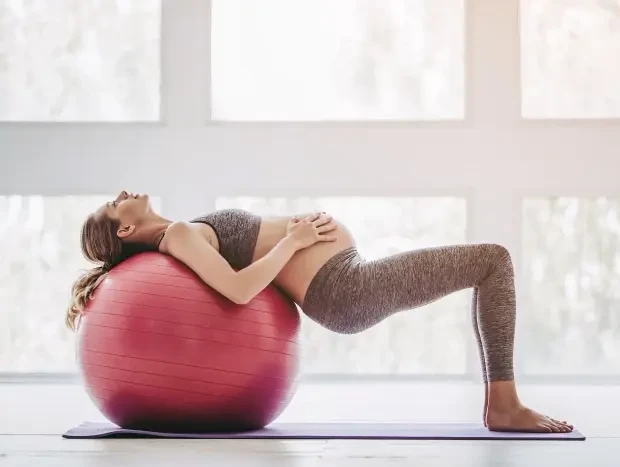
column 433, row 431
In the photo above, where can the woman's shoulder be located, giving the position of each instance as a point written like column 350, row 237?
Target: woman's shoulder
column 176, row 231
column 178, row 228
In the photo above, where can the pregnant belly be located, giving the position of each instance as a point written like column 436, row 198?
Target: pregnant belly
column 296, row 276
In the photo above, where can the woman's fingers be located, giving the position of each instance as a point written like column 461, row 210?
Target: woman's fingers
column 322, row 219
column 327, row 227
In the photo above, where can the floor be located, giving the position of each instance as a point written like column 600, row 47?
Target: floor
column 32, row 419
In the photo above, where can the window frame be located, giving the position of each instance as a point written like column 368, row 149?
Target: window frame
column 493, row 156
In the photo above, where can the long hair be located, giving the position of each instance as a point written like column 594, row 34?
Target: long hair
column 102, row 246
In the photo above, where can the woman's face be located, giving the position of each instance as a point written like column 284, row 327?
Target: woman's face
column 128, row 208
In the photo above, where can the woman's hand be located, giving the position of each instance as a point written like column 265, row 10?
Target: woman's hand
column 310, row 230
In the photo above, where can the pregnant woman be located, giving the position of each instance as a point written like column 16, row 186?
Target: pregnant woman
column 313, row 258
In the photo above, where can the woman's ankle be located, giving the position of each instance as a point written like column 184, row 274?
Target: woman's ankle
column 503, row 396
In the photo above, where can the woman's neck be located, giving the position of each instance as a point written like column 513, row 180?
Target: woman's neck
column 152, row 230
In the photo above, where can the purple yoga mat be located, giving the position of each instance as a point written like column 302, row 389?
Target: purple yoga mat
column 436, row 431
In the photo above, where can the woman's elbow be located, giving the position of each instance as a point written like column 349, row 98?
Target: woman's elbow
column 239, row 299
column 240, row 292
column 239, row 296
column 230, row 289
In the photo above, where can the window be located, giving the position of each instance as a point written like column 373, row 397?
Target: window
column 79, row 61
column 572, row 285
column 288, row 60
column 432, row 339
column 569, row 57
column 40, row 257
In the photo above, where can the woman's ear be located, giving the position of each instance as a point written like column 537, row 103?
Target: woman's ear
column 125, row 231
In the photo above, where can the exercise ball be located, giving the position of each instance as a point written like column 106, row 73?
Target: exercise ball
column 160, row 350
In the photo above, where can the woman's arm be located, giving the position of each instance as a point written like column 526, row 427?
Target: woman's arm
column 187, row 245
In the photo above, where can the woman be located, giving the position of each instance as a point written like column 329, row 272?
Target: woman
column 314, row 260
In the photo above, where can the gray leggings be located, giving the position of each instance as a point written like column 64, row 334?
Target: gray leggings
column 350, row 294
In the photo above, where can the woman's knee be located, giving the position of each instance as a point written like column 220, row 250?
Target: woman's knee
column 499, row 251
column 498, row 255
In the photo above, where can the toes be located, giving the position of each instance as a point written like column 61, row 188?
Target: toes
column 558, row 422
column 545, row 428
column 559, row 427
column 563, row 428
column 562, row 425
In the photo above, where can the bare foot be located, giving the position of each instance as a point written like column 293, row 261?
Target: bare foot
column 522, row 419
column 506, row 413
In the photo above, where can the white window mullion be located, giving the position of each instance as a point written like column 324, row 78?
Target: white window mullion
column 185, row 96
column 184, row 49
column 493, row 83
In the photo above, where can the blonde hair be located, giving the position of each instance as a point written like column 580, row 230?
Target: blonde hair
column 102, row 246
column 80, row 294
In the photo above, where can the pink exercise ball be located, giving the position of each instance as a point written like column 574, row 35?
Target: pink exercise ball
column 160, row 350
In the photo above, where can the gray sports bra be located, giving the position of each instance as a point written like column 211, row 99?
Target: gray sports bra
column 237, row 233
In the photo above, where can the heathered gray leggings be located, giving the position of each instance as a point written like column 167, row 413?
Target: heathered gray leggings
column 350, row 294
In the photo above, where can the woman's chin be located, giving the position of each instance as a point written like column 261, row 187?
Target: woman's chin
column 146, row 202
